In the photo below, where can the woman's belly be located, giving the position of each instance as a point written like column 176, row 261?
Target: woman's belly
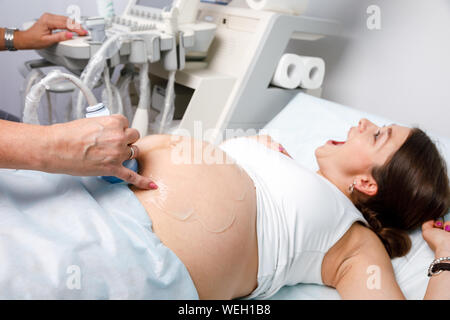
column 204, row 211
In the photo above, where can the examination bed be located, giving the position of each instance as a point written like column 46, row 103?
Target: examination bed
column 99, row 243
column 307, row 123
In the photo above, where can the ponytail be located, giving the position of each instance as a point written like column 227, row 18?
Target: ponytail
column 396, row 241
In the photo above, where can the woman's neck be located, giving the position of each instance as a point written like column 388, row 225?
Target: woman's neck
column 342, row 188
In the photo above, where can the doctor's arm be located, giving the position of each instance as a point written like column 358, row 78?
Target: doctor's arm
column 41, row 35
column 86, row 147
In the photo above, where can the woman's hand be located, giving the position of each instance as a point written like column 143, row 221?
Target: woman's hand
column 94, row 147
column 437, row 235
column 41, row 35
column 271, row 144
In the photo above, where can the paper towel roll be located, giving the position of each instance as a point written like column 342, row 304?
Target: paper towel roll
column 285, row 6
column 314, row 72
column 290, row 72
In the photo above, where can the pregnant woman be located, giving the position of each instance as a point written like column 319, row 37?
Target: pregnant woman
column 246, row 219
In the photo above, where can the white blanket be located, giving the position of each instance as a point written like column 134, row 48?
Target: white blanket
column 64, row 237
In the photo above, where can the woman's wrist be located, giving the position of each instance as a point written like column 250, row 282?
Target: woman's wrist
column 442, row 251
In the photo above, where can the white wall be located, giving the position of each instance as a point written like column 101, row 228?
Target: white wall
column 401, row 71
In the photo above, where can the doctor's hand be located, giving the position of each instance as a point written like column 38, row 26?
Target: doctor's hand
column 41, row 35
column 95, row 147
column 437, row 235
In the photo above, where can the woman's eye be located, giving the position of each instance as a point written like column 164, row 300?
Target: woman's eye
column 376, row 135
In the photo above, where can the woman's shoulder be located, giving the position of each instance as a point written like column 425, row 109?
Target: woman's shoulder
column 360, row 235
column 357, row 238
column 357, row 243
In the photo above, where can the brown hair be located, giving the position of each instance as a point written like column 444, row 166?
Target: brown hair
column 413, row 187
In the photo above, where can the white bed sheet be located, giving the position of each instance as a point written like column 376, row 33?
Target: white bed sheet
column 307, row 123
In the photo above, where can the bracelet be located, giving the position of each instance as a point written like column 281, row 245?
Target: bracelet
column 9, row 39
column 437, row 267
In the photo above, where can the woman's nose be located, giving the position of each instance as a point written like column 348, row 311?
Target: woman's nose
column 364, row 124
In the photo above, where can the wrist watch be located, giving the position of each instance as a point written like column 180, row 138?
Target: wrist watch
column 9, row 39
column 437, row 266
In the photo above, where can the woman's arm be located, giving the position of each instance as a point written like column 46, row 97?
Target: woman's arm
column 438, row 286
column 270, row 143
column 359, row 267
column 438, row 238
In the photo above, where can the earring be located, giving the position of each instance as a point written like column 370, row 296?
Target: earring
column 352, row 187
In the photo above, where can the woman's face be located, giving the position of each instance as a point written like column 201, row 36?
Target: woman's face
column 367, row 146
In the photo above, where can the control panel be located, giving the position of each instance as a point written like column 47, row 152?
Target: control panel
column 168, row 22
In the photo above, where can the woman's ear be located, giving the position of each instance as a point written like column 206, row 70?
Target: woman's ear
column 367, row 185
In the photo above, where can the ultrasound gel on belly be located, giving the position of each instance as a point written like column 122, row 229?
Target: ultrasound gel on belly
column 167, row 199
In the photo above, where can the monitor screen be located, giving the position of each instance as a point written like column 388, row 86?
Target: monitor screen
column 158, row 4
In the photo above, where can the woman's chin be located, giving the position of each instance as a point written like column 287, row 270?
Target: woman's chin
column 317, row 152
column 321, row 151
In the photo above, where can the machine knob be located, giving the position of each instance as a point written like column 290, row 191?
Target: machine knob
column 96, row 27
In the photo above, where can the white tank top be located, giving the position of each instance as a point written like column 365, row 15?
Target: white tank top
column 300, row 216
